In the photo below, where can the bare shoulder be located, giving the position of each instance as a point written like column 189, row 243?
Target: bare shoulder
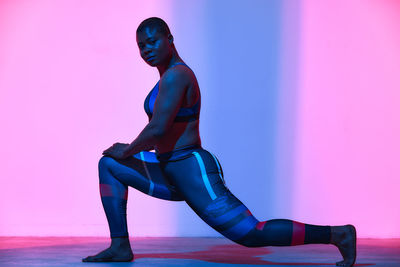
column 178, row 75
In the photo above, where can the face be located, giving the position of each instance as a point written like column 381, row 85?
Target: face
column 155, row 48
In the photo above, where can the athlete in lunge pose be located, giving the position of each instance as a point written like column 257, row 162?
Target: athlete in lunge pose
column 181, row 170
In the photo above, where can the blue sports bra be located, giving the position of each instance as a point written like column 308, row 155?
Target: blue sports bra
column 183, row 115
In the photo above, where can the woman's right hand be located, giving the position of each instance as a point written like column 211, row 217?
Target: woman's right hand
column 117, row 150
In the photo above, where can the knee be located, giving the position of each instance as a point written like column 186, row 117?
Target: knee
column 104, row 168
column 104, row 162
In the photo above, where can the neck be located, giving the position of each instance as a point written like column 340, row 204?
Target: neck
column 171, row 61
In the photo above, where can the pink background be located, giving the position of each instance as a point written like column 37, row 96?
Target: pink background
column 300, row 104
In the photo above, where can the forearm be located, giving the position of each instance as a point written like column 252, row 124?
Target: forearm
column 146, row 140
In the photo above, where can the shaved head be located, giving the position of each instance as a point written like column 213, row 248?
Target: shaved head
column 155, row 23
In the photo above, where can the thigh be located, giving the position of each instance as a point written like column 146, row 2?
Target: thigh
column 189, row 182
column 143, row 172
column 199, row 179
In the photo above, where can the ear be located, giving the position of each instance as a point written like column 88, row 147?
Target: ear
column 170, row 38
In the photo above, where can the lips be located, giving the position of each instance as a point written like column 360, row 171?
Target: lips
column 150, row 58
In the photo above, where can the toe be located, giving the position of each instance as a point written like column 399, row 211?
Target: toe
column 87, row 259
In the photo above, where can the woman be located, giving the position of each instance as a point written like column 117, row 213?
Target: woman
column 181, row 170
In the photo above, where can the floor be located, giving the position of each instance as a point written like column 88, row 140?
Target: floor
column 188, row 251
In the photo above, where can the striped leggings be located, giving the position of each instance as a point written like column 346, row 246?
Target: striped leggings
column 194, row 175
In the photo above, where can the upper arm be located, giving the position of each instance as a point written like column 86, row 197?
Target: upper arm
column 171, row 92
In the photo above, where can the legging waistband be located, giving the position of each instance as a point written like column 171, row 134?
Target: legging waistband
column 178, row 154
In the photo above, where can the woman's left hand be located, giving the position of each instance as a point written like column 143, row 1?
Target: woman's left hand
column 117, row 151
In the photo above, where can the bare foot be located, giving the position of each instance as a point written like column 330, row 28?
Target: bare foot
column 345, row 238
column 116, row 252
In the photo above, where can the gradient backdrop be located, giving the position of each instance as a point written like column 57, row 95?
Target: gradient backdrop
column 301, row 103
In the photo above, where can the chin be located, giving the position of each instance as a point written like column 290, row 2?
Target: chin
column 152, row 64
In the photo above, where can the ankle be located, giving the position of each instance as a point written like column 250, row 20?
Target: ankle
column 332, row 234
column 120, row 241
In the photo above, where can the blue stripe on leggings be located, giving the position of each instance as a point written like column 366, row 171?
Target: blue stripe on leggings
column 226, row 216
column 241, row 229
column 204, row 176
column 151, row 157
column 151, row 187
